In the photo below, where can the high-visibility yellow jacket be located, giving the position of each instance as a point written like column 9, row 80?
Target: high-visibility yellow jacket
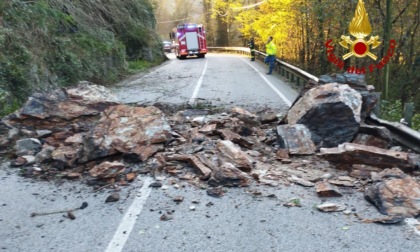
column 270, row 48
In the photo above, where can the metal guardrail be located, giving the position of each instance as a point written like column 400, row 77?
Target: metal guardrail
column 404, row 135
column 292, row 73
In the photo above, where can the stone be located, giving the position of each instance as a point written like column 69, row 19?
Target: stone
column 107, row 170
column 66, row 156
column 348, row 154
column 235, row 155
column 296, row 139
column 125, row 129
column 301, row 181
column 331, row 207
column 61, row 106
column 364, row 139
column 331, row 112
column 228, row 175
column 204, row 170
column 216, row 192
column 228, row 134
column 28, row 146
column 394, row 193
column 112, row 198
column 245, row 116
column 325, row 189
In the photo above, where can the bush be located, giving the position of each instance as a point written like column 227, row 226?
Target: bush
column 394, row 111
column 46, row 44
column 391, row 111
column 415, row 122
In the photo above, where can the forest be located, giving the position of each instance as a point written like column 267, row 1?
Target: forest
column 48, row 43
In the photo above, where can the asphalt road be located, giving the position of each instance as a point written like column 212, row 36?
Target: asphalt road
column 219, row 80
column 147, row 219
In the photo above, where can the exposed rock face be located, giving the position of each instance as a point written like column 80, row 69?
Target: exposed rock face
column 395, row 193
column 131, row 130
column 331, row 112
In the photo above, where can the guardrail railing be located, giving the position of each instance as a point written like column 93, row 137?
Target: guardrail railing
column 292, row 73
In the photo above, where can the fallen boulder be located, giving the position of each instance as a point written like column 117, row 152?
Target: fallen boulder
column 331, row 112
column 60, row 108
column 129, row 130
column 394, row 193
column 348, row 154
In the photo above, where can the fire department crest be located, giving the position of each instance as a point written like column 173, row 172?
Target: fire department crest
column 360, row 28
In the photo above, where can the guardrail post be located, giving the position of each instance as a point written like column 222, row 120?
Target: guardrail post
column 408, row 113
column 377, row 108
column 292, row 77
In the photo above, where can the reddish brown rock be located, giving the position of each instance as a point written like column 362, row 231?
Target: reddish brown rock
column 58, row 108
column 245, row 116
column 235, row 155
column 350, row 153
column 228, row 175
column 395, row 193
column 228, row 134
column 282, row 154
column 364, row 139
column 107, row 170
column 204, row 170
column 125, row 129
column 66, row 156
column 325, row 189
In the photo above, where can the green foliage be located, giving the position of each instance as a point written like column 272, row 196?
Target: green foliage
column 415, row 122
column 391, row 110
column 139, row 65
column 46, row 44
column 394, row 111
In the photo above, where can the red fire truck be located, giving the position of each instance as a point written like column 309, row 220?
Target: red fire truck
column 190, row 40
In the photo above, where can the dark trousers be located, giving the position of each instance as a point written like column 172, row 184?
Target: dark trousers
column 252, row 54
column 270, row 59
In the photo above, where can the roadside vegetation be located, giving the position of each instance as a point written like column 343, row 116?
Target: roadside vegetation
column 301, row 28
column 45, row 44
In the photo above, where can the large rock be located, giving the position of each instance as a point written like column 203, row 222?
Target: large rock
column 296, row 139
column 355, row 81
column 331, row 112
column 227, row 174
column 395, row 193
column 57, row 109
column 130, row 130
column 348, row 154
column 233, row 154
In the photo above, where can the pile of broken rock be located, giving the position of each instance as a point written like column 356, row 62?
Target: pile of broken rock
column 323, row 142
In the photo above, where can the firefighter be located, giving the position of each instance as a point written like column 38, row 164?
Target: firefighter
column 270, row 49
column 252, row 48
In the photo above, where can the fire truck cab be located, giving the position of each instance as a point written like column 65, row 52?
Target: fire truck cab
column 190, row 41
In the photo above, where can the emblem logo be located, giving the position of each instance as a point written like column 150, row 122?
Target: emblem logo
column 360, row 28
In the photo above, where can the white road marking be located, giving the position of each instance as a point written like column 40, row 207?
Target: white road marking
column 287, row 101
column 198, row 86
column 127, row 223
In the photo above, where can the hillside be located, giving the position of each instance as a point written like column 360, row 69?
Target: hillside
column 46, row 44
